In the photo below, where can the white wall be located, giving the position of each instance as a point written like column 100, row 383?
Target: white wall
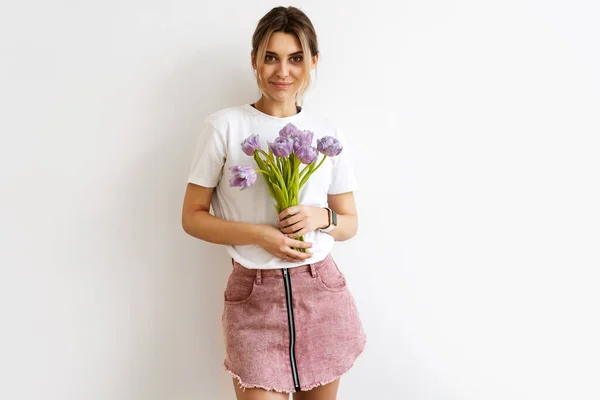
column 476, row 265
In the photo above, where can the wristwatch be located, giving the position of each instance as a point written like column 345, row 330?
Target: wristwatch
column 332, row 221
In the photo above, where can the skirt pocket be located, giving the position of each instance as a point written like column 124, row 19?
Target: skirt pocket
column 239, row 288
column 330, row 277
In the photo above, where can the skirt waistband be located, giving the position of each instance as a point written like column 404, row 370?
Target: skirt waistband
column 239, row 268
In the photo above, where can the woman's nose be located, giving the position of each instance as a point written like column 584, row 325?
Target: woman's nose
column 283, row 70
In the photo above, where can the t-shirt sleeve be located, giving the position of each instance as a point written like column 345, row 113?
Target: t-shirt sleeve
column 343, row 178
column 209, row 157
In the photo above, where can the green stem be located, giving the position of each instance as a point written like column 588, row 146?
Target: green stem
column 291, row 168
column 296, row 184
column 310, row 172
column 280, row 166
column 264, row 168
column 267, row 156
column 275, row 170
column 317, row 167
column 280, row 197
column 303, row 169
column 285, row 162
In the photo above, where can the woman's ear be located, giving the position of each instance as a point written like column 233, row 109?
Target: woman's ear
column 315, row 60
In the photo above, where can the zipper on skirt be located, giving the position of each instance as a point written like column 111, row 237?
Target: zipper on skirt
column 291, row 326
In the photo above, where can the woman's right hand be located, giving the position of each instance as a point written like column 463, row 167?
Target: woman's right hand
column 278, row 244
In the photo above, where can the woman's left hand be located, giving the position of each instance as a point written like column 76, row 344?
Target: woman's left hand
column 303, row 219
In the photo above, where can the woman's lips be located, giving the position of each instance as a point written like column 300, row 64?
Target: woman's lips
column 281, row 86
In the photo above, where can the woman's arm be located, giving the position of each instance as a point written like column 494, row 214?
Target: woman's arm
column 347, row 220
column 198, row 222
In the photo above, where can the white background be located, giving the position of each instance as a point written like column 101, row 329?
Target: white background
column 476, row 123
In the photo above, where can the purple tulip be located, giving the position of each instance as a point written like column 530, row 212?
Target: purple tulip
column 288, row 131
column 303, row 138
column 250, row 145
column 282, row 147
column 242, row 176
column 306, row 154
column 329, row 146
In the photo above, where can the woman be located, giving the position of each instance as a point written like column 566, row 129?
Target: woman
column 290, row 323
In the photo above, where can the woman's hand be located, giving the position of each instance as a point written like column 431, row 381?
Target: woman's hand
column 303, row 219
column 279, row 245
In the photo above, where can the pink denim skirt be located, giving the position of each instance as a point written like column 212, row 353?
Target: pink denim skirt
column 290, row 329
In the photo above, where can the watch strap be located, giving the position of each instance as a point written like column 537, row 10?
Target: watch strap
column 332, row 217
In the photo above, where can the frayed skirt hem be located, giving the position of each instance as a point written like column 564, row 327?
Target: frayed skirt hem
column 244, row 385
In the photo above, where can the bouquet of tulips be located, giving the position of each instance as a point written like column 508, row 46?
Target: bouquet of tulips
column 281, row 165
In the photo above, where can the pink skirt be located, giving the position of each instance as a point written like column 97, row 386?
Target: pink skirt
column 290, row 329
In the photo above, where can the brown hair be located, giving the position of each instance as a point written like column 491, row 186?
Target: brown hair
column 288, row 20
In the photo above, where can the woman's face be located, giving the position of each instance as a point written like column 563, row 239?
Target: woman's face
column 283, row 70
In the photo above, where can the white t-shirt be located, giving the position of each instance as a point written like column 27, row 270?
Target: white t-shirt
column 219, row 147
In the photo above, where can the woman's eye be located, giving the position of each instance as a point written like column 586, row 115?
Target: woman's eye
column 297, row 58
column 269, row 58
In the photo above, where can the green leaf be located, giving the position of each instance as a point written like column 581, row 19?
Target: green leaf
column 264, row 168
column 280, row 180
column 281, row 196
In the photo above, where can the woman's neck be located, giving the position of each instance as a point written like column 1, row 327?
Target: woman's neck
column 276, row 109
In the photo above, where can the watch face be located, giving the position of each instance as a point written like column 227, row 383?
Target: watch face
column 333, row 218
